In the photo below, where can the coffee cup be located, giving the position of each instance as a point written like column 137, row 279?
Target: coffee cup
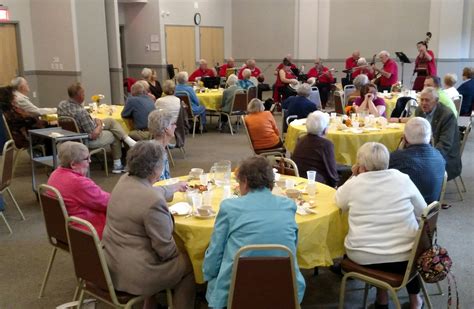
column 204, row 211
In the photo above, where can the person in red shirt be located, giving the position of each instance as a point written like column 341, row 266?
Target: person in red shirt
column 322, row 77
column 388, row 73
column 424, row 65
column 202, row 71
column 363, row 68
column 285, row 77
column 281, row 65
column 254, row 70
column 229, row 65
column 351, row 62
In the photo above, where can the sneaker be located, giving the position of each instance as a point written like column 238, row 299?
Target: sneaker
column 118, row 169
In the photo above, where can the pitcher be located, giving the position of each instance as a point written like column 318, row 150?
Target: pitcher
column 220, row 172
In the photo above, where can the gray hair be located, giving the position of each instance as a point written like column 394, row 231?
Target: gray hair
column 144, row 158
column 360, row 81
column 169, row 87
column 246, row 73
column 182, row 77
column 255, row 106
column 71, row 152
column 147, row 73
column 430, row 91
column 373, row 156
column 257, row 172
column 450, row 79
column 17, row 82
column 303, row 90
column 232, row 80
column 418, row 131
column 139, row 88
column 361, row 61
column 384, row 52
column 158, row 121
column 317, row 122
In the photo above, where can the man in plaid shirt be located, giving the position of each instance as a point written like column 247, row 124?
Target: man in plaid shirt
column 101, row 133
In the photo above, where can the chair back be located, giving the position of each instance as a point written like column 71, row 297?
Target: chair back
column 239, row 103
column 9, row 132
column 68, row 123
column 251, row 93
column 186, row 102
column 457, row 100
column 348, row 90
column 286, row 166
column 315, row 97
column 181, row 127
column 423, row 239
column 338, row 104
column 465, row 136
column 247, row 133
column 88, row 257
column 55, row 216
column 260, row 281
column 8, row 159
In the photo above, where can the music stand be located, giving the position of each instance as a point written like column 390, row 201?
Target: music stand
column 403, row 59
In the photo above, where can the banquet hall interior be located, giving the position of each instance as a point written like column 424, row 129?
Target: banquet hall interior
column 106, row 44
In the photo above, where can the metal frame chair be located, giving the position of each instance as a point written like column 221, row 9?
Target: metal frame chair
column 461, row 150
column 338, row 103
column 70, row 124
column 272, row 274
column 285, row 166
column 348, row 89
column 394, row 282
column 238, row 107
column 278, row 152
column 457, row 100
column 8, row 161
column 91, row 267
column 186, row 101
column 315, row 97
column 251, row 93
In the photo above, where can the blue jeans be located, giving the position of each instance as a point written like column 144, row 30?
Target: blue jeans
column 201, row 111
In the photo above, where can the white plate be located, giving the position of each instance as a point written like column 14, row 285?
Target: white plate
column 212, row 215
column 181, row 209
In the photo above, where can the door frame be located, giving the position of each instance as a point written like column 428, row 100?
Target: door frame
column 21, row 71
column 123, row 50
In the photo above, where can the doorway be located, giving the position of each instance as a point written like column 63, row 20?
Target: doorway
column 181, row 47
column 9, row 53
column 212, row 45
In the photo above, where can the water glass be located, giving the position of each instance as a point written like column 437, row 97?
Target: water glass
column 289, row 184
column 203, row 179
column 311, row 175
column 207, row 198
column 197, row 201
column 227, row 192
column 311, row 189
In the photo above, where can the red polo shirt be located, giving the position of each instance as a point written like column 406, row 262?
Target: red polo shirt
column 201, row 73
column 391, row 67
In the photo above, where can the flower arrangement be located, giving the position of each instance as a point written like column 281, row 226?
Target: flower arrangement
column 97, row 97
column 349, row 110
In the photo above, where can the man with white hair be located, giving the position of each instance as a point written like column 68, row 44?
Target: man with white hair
column 388, row 73
column 202, row 71
column 444, row 127
column 363, row 68
column 351, row 62
column 229, row 65
column 22, row 89
column 182, row 86
column 300, row 105
column 137, row 108
column 423, row 163
column 323, row 78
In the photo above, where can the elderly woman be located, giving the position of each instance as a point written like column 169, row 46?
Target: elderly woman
column 162, row 127
column 300, row 105
column 257, row 217
column 149, row 75
column 360, row 81
column 228, row 97
column 137, row 108
column 198, row 109
column 369, row 102
column 314, row 152
column 382, row 219
column 82, row 197
column 141, row 252
column 245, row 82
column 262, row 128
column 450, row 80
column 169, row 101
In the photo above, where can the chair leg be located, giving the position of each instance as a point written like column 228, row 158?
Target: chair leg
column 15, row 159
column 105, row 164
column 16, row 204
column 170, row 155
column 48, row 271
column 169, row 298
column 425, row 293
column 366, row 295
column 6, row 222
column 395, row 299
column 342, row 292
column 76, row 291
column 459, row 190
column 230, row 125
column 194, row 127
column 81, row 298
column 183, row 152
column 462, row 183
column 440, row 290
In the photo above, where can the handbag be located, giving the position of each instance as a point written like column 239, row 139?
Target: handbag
column 434, row 265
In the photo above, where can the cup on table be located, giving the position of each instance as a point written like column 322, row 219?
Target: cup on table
column 311, row 175
column 289, row 184
column 204, row 211
column 203, row 179
column 189, row 196
column 227, row 192
column 197, row 201
column 207, row 198
column 355, row 124
column 333, row 116
column 311, row 189
column 196, row 172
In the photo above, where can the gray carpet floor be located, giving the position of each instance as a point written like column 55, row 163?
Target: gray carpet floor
column 25, row 254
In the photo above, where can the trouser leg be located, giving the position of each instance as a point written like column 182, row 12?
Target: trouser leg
column 113, row 126
column 139, row 135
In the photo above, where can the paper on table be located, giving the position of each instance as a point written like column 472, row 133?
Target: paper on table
column 299, row 122
column 180, row 209
column 303, row 211
column 393, row 126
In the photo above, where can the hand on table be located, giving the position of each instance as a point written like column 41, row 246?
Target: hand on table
column 179, row 186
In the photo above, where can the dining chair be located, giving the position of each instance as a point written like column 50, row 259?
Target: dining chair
column 238, row 107
column 263, row 281
column 390, row 281
column 465, row 135
column 70, row 124
column 457, row 100
column 339, row 103
column 280, row 151
column 186, row 101
column 315, row 97
column 251, row 93
column 179, row 134
column 91, row 268
column 285, row 166
column 348, row 90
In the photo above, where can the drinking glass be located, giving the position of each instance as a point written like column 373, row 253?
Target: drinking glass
column 197, row 201
column 289, row 184
column 221, row 172
column 207, row 198
column 311, row 175
column 203, row 179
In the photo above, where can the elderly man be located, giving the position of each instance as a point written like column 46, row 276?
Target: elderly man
column 254, row 70
column 389, row 71
column 467, row 91
column 202, row 71
column 351, row 62
column 323, row 78
column 137, row 108
column 22, row 89
column 422, row 162
column 363, row 68
column 101, row 133
column 300, row 105
column 444, row 127
column 435, row 82
column 229, row 65
column 182, row 86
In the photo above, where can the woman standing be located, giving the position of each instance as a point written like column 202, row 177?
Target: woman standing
column 424, row 65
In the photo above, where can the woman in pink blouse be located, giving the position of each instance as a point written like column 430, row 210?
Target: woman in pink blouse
column 82, row 197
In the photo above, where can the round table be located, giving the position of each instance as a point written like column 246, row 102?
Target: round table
column 211, row 99
column 346, row 143
column 390, row 102
column 320, row 237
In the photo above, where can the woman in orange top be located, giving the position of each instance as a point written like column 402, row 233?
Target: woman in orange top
column 262, row 127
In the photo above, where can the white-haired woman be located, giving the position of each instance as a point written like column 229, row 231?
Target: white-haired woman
column 383, row 206
column 360, row 81
column 169, row 101
column 150, row 76
column 450, row 80
column 182, row 86
column 141, row 252
column 245, row 82
column 162, row 127
column 262, row 127
column 314, row 152
column 228, row 97
column 363, row 68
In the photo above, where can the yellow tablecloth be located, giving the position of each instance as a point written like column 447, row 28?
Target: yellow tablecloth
column 390, row 103
column 320, row 238
column 211, row 99
column 346, row 144
column 109, row 111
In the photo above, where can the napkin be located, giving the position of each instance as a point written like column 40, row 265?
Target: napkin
column 181, row 209
column 303, row 211
column 299, row 122
column 393, row 126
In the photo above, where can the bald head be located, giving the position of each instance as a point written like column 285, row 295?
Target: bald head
column 355, row 55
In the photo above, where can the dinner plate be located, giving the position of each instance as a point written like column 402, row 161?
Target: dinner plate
column 212, row 215
column 181, row 209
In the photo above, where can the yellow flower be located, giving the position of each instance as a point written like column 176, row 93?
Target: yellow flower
column 97, row 97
